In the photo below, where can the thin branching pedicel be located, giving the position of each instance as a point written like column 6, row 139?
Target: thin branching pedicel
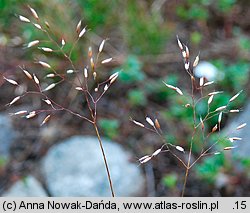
column 199, row 123
column 77, row 77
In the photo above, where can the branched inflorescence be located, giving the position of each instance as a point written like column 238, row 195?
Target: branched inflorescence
column 199, row 123
column 78, row 78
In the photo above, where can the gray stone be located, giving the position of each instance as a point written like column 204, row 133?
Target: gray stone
column 243, row 148
column 28, row 187
column 7, row 135
column 75, row 168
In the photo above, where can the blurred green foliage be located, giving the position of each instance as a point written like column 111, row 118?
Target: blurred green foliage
column 110, row 127
column 170, row 180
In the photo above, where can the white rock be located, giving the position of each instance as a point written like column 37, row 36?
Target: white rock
column 29, row 187
column 207, row 70
column 75, row 168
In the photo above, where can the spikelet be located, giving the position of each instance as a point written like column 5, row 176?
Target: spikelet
column 46, row 119
column 220, row 108
column 157, row 124
column 241, row 126
column 181, row 149
column 23, row 19
column 51, row 86
column 106, row 87
column 196, row 61
column 78, row 26
column 46, row 49
column 31, row 115
column 79, row 88
column 34, row 13
column 201, row 81
column 157, row 152
column 27, row 74
column 138, row 123
column 38, row 26
column 11, row 81
column 179, row 43
column 215, row 93
column 14, row 100
column 234, row 110
column 63, row 42
column 44, row 64
column 82, row 32
column 149, row 120
column 106, row 60
column 21, row 112
column 208, row 83
column 235, row 96
column 85, row 73
column 145, row 160
column 33, row 43
column 220, row 117
column 210, row 99
column 101, row 46
column 36, row 79
column 47, row 101
column 214, row 128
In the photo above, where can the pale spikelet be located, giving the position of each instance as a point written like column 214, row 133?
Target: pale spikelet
column 145, row 160
column 96, row 89
column 24, row 19
column 157, row 124
column 47, row 24
column 201, row 81
column 234, row 110
column 36, row 79
column 230, row 147
column 179, row 91
column 82, row 32
column 38, row 26
column 220, row 117
column 241, row 126
column 208, row 83
column 92, row 64
column 187, row 52
column 34, row 13
column 47, row 101
column 187, row 105
column 31, row 115
column 90, row 53
column 79, row 88
column 157, row 152
column 184, row 54
column 33, row 43
column 113, row 77
column 215, row 128
column 46, row 119
column 149, row 120
column 14, row 100
column 170, row 86
column 51, row 75
column 186, row 65
column 78, row 26
column 235, row 96
column 144, row 157
column 106, row 60
column 46, row 49
column 210, row 99
column 179, row 43
column 217, row 153
column 51, row 86
column 85, row 72
column 179, row 148
column 215, row 93
column 232, row 139
column 63, row 42
column 44, row 64
column 106, row 87
column 196, row 61
column 70, row 71
column 202, row 123
column 27, row 74
column 94, row 75
column 101, row 46
column 21, row 112
column 220, row 108
column 138, row 123
column 11, row 81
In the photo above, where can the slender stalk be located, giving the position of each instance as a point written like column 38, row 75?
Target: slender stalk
column 105, row 160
